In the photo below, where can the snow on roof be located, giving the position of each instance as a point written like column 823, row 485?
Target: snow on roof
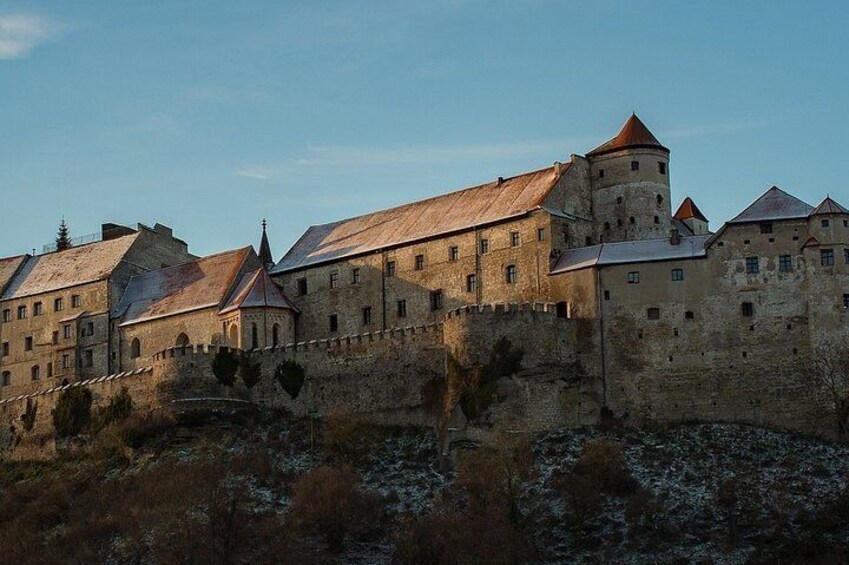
column 774, row 204
column 8, row 267
column 257, row 290
column 72, row 267
column 630, row 252
column 199, row 284
column 465, row 209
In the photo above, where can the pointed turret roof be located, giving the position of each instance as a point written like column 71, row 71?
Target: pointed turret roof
column 257, row 290
column 688, row 209
column 633, row 134
column 265, row 249
column 829, row 206
column 774, row 204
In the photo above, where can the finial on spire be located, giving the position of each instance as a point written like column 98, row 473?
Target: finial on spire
column 264, row 223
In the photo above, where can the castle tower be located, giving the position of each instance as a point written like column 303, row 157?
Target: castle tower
column 690, row 215
column 630, row 184
column 265, row 249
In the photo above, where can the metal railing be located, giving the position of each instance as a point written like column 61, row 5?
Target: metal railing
column 75, row 242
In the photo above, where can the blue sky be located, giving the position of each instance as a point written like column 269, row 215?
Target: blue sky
column 208, row 116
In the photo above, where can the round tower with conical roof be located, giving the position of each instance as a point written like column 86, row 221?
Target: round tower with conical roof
column 630, row 181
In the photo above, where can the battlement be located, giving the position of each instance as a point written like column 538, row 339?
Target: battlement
column 88, row 382
column 505, row 308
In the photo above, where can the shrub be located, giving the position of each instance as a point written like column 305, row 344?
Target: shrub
column 603, row 462
column 72, row 414
column 328, row 502
column 119, row 408
column 224, row 367
column 28, row 417
column 139, row 428
column 291, row 377
column 249, row 373
column 349, row 437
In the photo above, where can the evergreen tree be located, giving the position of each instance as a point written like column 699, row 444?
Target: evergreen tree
column 63, row 239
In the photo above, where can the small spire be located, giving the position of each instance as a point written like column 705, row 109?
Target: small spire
column 265, row 255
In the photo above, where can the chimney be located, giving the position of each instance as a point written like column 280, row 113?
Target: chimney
column 674, row 237
column 558, row 168
column 500, row 181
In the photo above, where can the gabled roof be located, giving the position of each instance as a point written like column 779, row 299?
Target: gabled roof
column 829, row 206
column 643, row 251
column 199, row 284
column 257, row 290
column 688, row 209
column 480, row 205
column 8, row 267
column 64, row 269
column 774, row 204
column 632, row 135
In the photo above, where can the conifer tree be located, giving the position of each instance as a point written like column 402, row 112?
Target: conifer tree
column 63, row 239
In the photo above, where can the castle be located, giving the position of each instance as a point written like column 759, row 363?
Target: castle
column 615, row 301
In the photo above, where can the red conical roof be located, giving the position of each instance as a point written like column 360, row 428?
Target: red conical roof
column 688, row 209
column 633, row 134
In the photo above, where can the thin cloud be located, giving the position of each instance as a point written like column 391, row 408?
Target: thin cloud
column 256, row 174
column 21, row 33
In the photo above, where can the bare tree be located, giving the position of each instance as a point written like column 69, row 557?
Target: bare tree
column 831, row 375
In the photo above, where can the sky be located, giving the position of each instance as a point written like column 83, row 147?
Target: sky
column 209, row 116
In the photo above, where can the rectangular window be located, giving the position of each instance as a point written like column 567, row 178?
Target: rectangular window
column 334, row 280
column 635, row 165
column 89, row 328
column 827, row 257
column 28, row 343
column 514, row 239
column 66, row 331
column 76, row 301
column 333, row 322
column 355, row 276
column 55, row 338
column 846, row 256
column 653, row 313
column 747, row 309
column 7, row 315
column 419, row 262
column 677, row 275
column 601, row 173
column 66, row 361
column 845, row 301
column 390, row 268
column 661, row 167
column 367, row 315
column 58, row 305
column 634, row 277
column 752, row 265
column 49, row 370
column 22, row 312
column 37, row 309
column 453, row 253
column 511, row 274
column 484, row 246
column 302, row 287
column 436, row 300
column 7, row 378
column 4, row 349
column 825, row 223
column 540, row 234
column 785, row 263
column 766, row 227
column 89, row 358
column 402, row 308
column 471, row 283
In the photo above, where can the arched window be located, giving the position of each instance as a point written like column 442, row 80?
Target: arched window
column 35, row 372
column 606, row 226
column 182, row 340
column 275, row 335
column 135, row 349
column 254, row 337
column 6, row 379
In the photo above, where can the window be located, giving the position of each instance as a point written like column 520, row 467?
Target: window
column 89, row 329
column 254, row 337
column 540, row 234
column 401, row 308
column 471, row 283
column 7, row 378
column 58, row 305
column 635, row 165
column 37, row 309
column 22, row 312
column 88, row 358
column 182, row 340
column 49, row 370
column 135, row 349
column 35, row 373
column 785, row 263
column 827, row 257
column 588, row 240
column 846, row 223
column 367, row 315
column 634, row 277
column 653, row 313
column 66, row 331
column 657, row 219
column 511, row 274
column 76, row 301
column 390, row 268
column 484, row 246
column 677, row 275
column 55, row 338
column 845, row 301
column 514, row 239
column 334, row 280
column 752, row 265
column 747, row 309
column 632, row 221
column 601, row 173
column 436, row 300
column 4, row 349
column 606, row 226
column 7, row 315
column 355, row 276
column 688, row 315
column 661, row 168
column 275, row 335
column 28, row 343
column 453, row 253
column 607, row 295
column 825, row 223
column 419, row 262
column 333, row 322
column 619, row 200
column 66, row 361
column 302, row 287
column 766, row 227
column 846, row 256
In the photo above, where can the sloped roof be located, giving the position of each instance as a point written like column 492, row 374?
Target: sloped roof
column 643, row 251
column 633, row 134
column 199, row 284
column 688, row 209
column 829, row 206
column 257, row 290
column 8, row 267
column 487, row 203
column 774, row 204
column 72, row 267
column 265, row 254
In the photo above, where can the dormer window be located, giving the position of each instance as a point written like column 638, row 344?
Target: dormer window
column 635, row 165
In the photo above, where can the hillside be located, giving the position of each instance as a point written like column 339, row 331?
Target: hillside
column 254, row 489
